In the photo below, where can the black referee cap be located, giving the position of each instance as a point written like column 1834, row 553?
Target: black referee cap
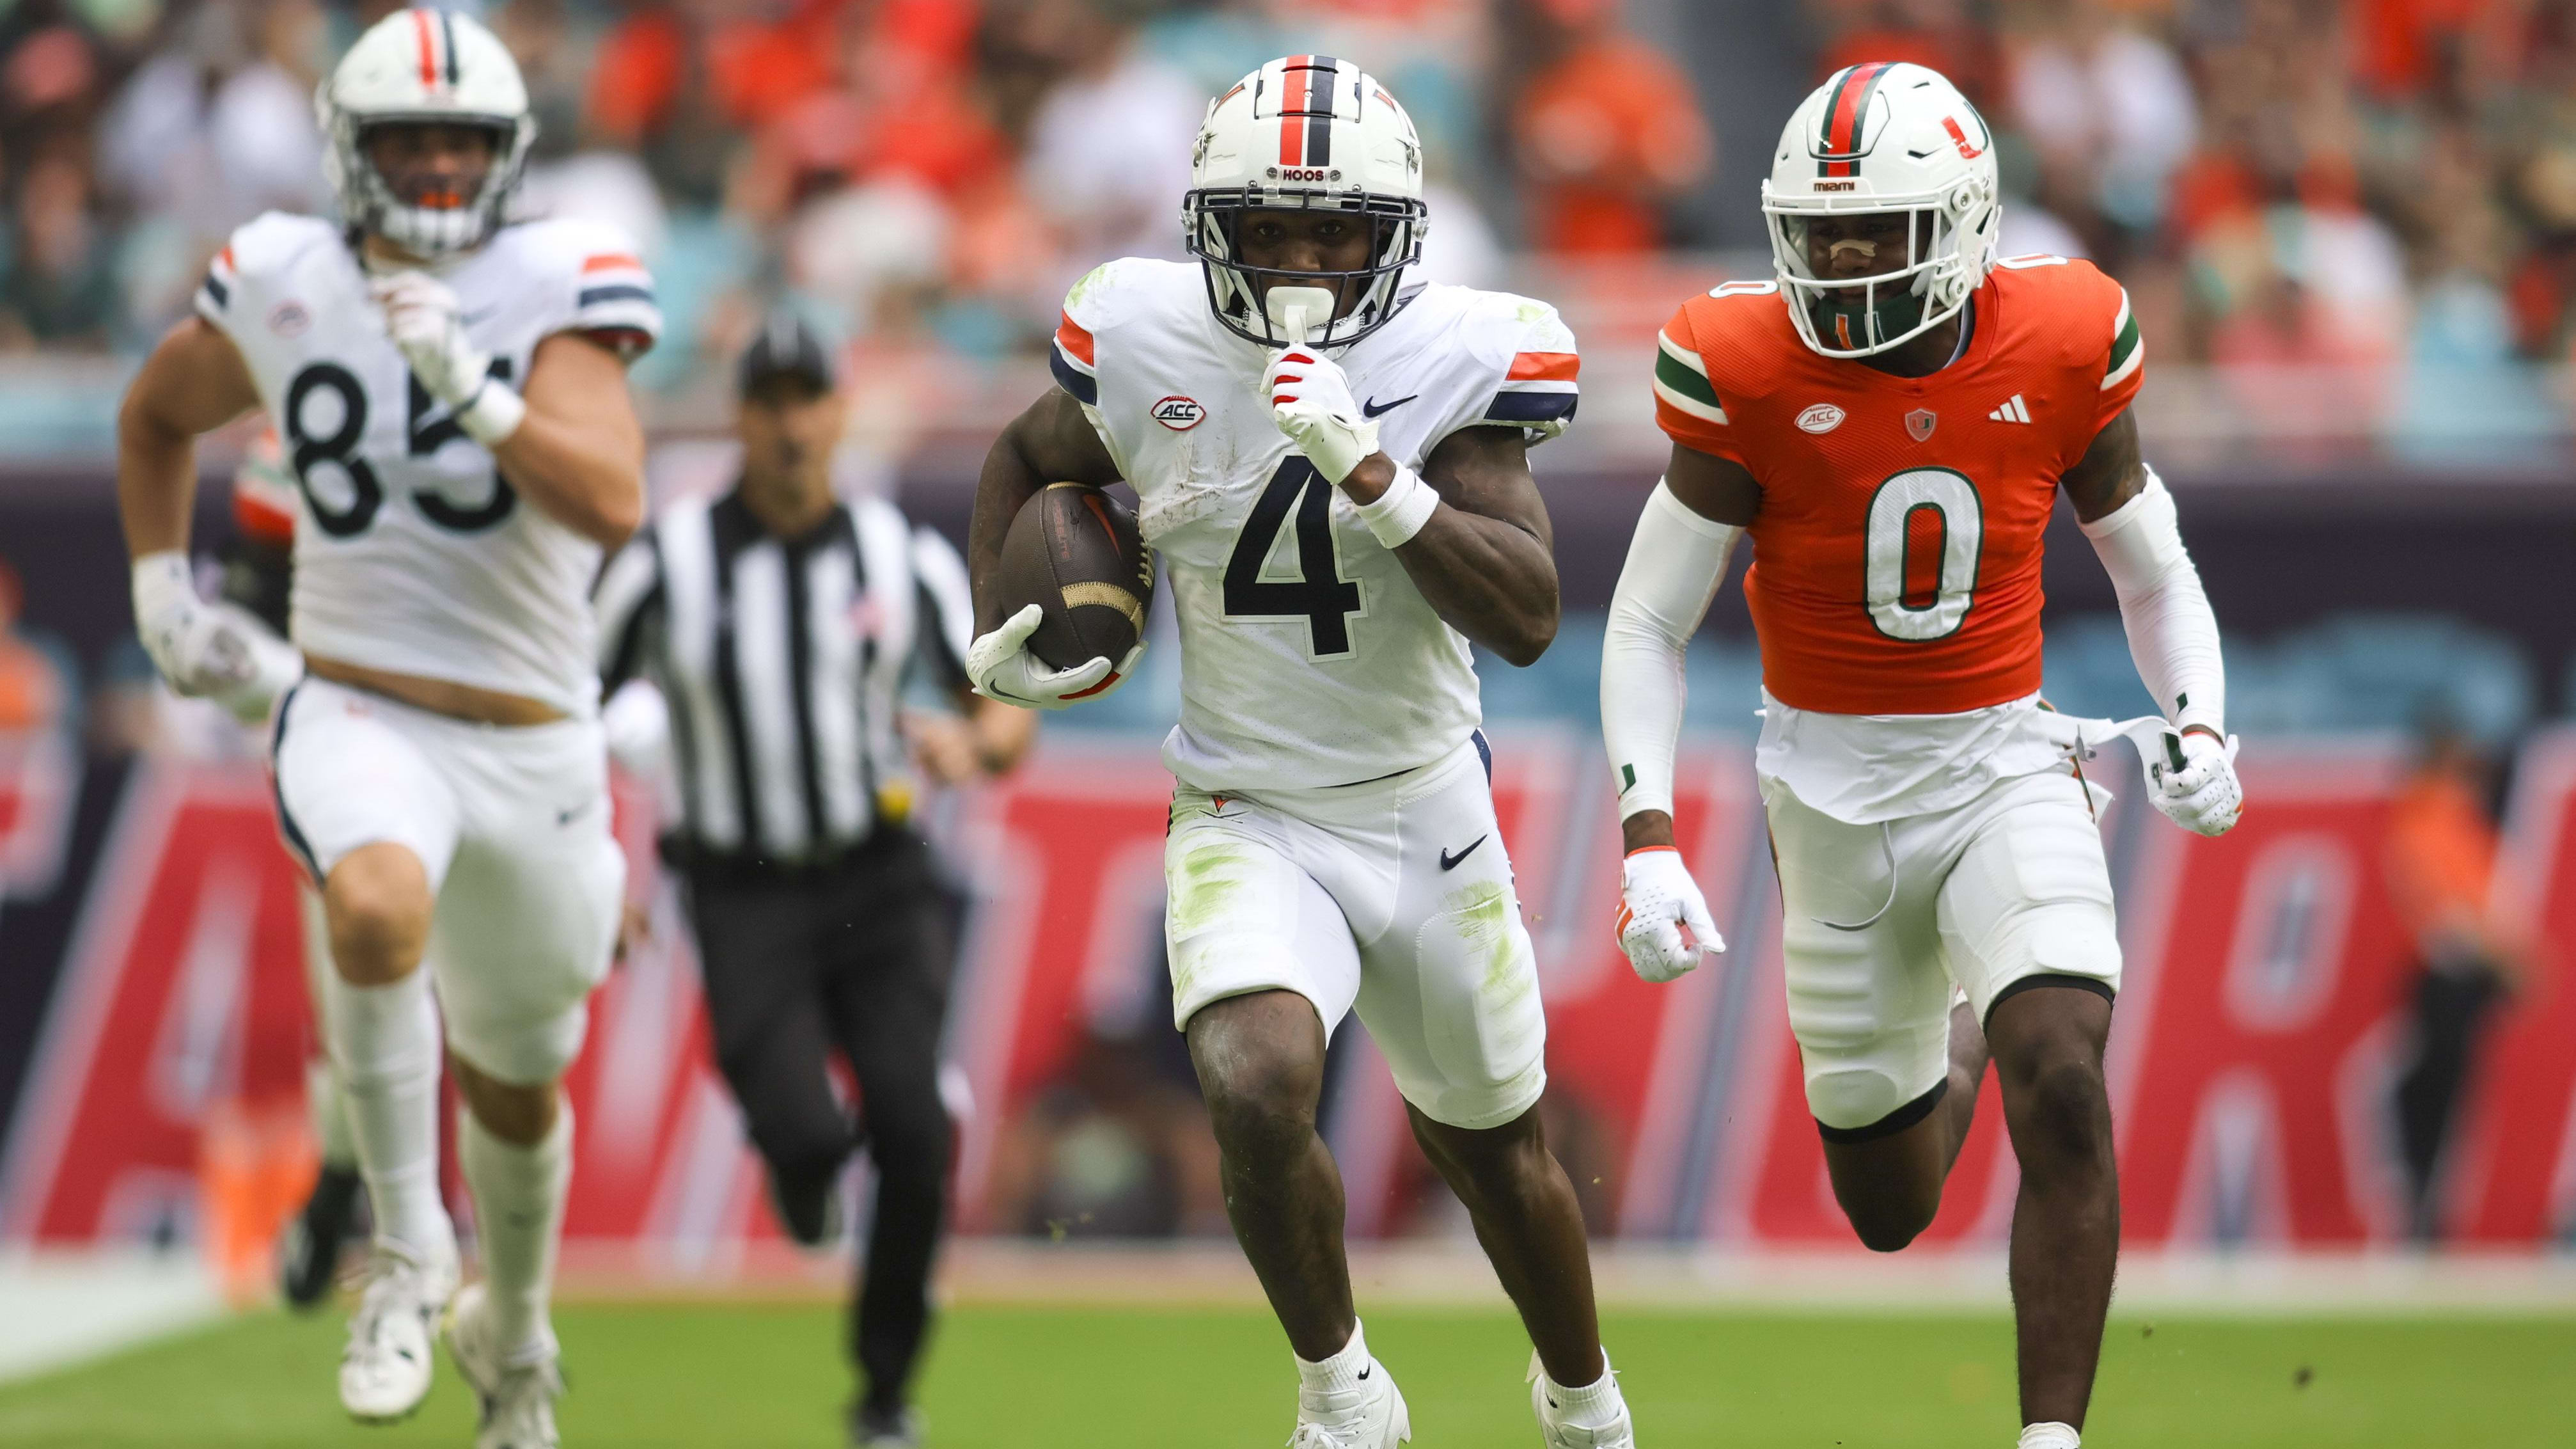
column 786, row 347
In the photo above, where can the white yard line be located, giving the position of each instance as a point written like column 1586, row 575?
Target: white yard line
column 1447, row 1274
column 57, row 1309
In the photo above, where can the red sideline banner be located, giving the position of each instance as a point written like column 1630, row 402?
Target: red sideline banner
column 2260, row 1026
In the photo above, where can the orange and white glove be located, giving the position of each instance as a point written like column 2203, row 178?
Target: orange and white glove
column 1657, row 901
column 1310, row 399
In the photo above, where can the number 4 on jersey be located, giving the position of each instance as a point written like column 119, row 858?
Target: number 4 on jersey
column 1320, row 595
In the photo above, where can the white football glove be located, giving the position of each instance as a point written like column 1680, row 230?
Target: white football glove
column 2191, row 778
column 422, row 318
column 209, row 650
column 1002, row 668
column 1310, row 399
column 1657, row 898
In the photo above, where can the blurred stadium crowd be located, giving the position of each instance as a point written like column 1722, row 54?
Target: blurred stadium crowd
column 2343, row 209
column 2299, row 182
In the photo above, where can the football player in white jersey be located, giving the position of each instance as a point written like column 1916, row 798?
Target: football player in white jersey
column 1332, row 464
column 452, row 395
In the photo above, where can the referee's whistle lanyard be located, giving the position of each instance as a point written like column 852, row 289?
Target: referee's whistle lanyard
column 2146, row 732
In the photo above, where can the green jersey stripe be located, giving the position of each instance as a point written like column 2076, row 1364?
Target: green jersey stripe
column 1671, row 373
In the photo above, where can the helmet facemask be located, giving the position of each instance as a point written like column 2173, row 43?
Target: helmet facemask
column 370, row 202
column 1948, row 241
column 1211, row 219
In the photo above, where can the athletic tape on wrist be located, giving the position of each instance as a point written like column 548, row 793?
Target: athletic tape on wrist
column 1400, row 512
column 492, row 415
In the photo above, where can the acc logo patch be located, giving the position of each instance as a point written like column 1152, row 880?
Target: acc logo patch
column 1822, row 418
column 289, row 318
column 1180, row 414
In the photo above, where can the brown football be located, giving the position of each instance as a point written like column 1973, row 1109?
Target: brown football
column 1074, row 552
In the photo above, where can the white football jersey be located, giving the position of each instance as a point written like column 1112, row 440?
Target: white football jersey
column 412, row 553
column 1308, row 657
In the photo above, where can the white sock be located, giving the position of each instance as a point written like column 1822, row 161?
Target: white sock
column 384, row 1043
column 2051, row 1435
column 1596, row 1405
column 1340, row 1373
column 329, row 1107
column 518, row 1209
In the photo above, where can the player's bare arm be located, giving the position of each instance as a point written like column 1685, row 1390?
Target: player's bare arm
column 1720, row 490
column 2111, row 472
column 194, row 382
column 579, row 453
column 1051, row 442
column 1485, row 563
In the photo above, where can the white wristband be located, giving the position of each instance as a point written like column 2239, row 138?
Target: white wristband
column 163, row 582
column 1399, row 513
column 492, row 414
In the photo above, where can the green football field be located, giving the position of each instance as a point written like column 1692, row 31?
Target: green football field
column 741, row 1375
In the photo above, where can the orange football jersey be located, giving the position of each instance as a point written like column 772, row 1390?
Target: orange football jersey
column 1896, row 556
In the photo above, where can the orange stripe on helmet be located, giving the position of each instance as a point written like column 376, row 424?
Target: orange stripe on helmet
column 428, row 47
column 1292, row 106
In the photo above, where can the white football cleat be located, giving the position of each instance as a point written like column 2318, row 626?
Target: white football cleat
column 518, row 1398
column 385, row 1370
column 1555, row 1433
column 1368, row 1415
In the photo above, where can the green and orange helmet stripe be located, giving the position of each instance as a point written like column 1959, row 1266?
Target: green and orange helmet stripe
column 1837, row 146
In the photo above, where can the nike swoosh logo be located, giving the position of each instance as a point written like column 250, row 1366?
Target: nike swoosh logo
column 1373, row 407
column 1919, row 155
column 1450, row 862
column 468, row 319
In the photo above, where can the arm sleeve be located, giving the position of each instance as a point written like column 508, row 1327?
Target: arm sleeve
column 2173, row 635
column 629, row 591
column 1686, row 402
column 1539, row 392
column 946, row 610
column 1675, row 564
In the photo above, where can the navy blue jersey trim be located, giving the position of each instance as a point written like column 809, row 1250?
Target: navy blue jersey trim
column 294, row 833
column 216, row 289
column 596, row 295
column 1532, row 407
column 1084, row 387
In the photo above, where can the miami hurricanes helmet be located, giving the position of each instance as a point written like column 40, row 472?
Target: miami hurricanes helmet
column 424, row 65
column 1304, row 133
column 1886, row 136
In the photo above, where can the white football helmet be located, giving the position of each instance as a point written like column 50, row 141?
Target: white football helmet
column 424, row 65
column 1884, row 136
column 1305, row 132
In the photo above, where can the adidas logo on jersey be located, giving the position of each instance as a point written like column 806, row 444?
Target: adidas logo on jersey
column 2015, row 411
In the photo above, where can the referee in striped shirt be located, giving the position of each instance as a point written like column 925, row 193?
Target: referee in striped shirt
column 782, row 627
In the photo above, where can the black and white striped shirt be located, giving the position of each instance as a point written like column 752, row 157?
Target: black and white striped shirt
column 783, row 663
